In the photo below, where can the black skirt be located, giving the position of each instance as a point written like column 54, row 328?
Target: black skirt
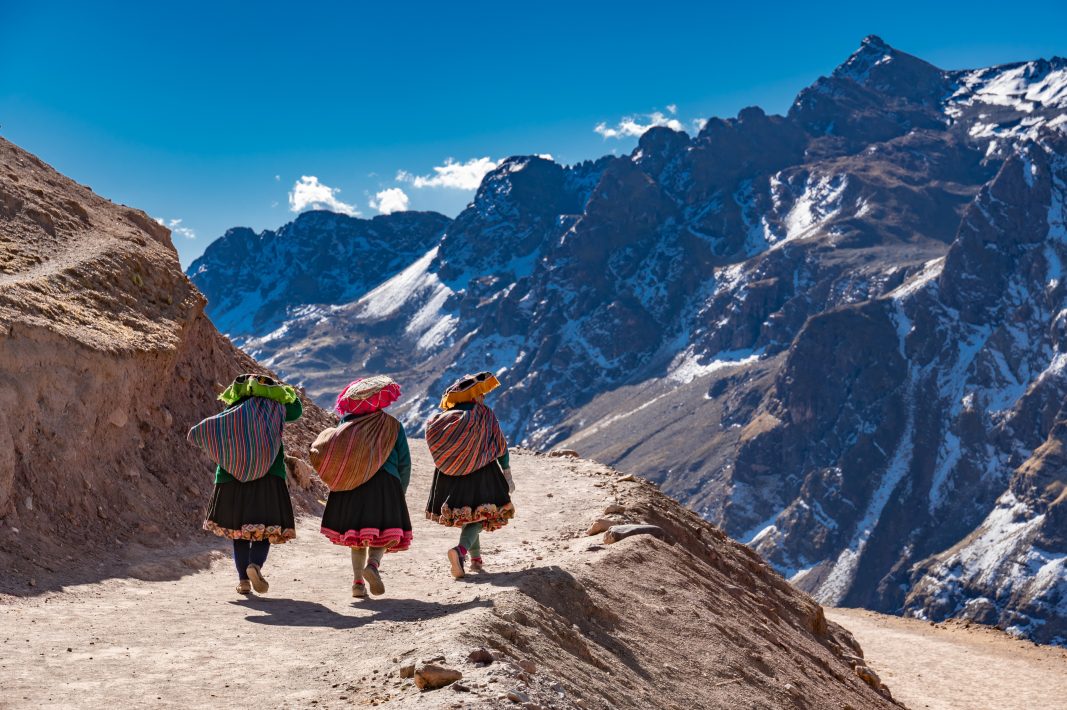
column 372, row 515
column 257, row 510
column 479, row 497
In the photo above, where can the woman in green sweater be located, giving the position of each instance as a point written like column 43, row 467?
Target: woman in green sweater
column 472, row 483
column 259, row 512
column 366, row 464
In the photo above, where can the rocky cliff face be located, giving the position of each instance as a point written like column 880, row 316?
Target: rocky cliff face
column 831, row 331
column 106, row 359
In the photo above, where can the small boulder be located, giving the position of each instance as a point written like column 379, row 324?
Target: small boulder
column 527, row 665
column 480, row 655
column 621, row 532
column 429, row 676
column 569, row 453
column 628, row 478
column 868, row 676
column 517, row 696
column 599, row 526
column 615, row 509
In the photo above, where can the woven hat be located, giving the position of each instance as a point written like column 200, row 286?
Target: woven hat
column 468, row 388
column 367, row 394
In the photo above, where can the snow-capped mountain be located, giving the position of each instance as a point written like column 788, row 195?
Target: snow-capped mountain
column 837, row 332
column 258, row 281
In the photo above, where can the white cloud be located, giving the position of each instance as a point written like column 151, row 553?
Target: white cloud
column 277, row 178
column 636, row 125
column 672, row 109
column 546, row 156
column 309, row 193
column 460, row 176
column 699, row 123
column 390, row 200
column 174, row 225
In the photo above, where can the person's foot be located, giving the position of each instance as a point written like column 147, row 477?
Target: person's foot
column 259, row 582
column 374, row 579
column 359, row 589
column 456, row 560
column 476, row 564
column 244, row 587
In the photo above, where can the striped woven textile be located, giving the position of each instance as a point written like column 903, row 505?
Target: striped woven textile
column 462, row 441
column 243, row 440
column 347, row 456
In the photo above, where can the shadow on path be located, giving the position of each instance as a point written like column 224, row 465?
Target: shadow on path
column 297, row 612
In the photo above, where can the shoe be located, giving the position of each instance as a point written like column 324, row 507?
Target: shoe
column 374, row 580
column 457, row 563
column 476, row 564
column 259, row 583
column 359, row 589
column 244, row 587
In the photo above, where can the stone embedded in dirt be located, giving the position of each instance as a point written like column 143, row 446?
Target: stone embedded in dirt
column 480, row 655
column 407, row 670
column 429, row 676
column 621, row 532
column 599, row 526
column 517, row 696
column 527, row 665
column 460, row 688
column 868, row 676
column 615, row 509
column 628, row 478
column 569, row 453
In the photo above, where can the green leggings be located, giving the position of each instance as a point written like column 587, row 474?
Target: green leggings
column 469, row 538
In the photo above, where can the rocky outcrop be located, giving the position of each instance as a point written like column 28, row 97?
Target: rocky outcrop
column 106, row 359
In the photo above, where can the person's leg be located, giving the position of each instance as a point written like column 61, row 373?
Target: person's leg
column 475, row 550
column 374, row 557
column 240, row 558
column 371, row 574
column 468, row 538
column 258, row 552
column 359, row 561
column 457, row 556
column 257, row 555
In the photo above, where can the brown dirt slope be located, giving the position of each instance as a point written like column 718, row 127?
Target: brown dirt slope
column 106, row 358
column 694, row 620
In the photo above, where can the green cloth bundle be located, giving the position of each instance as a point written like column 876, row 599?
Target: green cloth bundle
column 246, row 386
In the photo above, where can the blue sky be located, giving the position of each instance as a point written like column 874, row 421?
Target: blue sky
column 214, row 113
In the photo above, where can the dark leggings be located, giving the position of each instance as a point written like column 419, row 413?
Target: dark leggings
column 246, row 552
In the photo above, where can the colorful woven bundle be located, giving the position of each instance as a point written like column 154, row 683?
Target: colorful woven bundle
column 243, row 440
column 367, row 394
column 347, row 456
column 461, row 441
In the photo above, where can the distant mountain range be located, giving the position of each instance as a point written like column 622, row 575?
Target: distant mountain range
column 840, row 333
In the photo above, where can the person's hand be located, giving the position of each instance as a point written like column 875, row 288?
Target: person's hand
column 509, row 479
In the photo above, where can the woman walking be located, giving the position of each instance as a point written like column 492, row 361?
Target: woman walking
column 472, row 477
column 366, row 464
column 250, row 504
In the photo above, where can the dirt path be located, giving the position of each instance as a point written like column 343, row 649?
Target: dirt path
column 955, row 667
column 194, row 642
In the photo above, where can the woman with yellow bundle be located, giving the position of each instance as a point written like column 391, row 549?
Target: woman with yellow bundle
column 472, row 477
column 366, row 464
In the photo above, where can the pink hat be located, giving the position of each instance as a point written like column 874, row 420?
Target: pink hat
column 367, row 394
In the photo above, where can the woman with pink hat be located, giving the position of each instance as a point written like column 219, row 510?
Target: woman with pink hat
column 366, row 464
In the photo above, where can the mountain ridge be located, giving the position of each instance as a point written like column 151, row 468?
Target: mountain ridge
column 675, row 310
